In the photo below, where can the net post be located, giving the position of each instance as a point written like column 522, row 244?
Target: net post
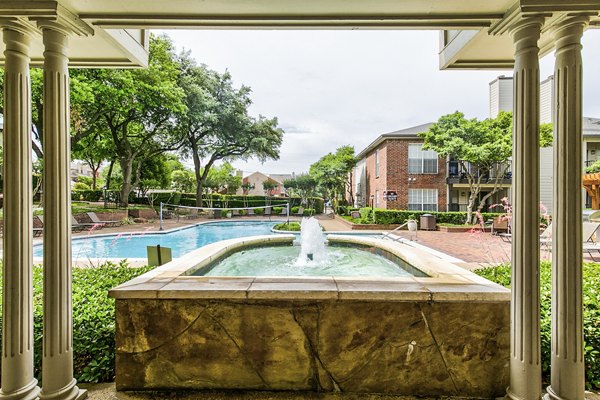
column 287, row 211
column 161, row 217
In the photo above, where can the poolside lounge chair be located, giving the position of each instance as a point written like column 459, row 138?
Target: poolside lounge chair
column 300, row 212
column 96, row 220
column 268, row 212
column 235, row 212
column 38, row 231
column 250, row 212
column 80, row 226
column 545, row 237
column 284, row 211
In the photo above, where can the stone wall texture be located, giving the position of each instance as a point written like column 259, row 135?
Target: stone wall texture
column 411, row 348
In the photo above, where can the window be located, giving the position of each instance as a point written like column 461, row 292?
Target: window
column 377, row 199
column 377, row 163
column 422, row 199
column 421, row 161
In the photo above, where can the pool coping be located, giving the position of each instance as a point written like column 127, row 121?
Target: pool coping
column 446, row 281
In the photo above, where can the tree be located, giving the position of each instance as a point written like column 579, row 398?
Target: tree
column 268, row 186
column 479, row 147
column 333, row 173
column 93, row 150
column 138, row 109
column 182, row 180
column 217, row 126
column 303, row 186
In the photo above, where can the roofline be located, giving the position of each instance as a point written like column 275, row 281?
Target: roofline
column 383, row 138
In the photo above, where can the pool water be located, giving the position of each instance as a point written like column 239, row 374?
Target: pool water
column 283, row 261
column 133, row 245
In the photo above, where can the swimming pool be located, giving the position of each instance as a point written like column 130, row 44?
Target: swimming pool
column 133, row 245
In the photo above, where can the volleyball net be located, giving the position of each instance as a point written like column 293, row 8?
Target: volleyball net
column 178, row 212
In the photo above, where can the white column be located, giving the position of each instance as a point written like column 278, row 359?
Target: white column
column 57, row 363
column 18, row 381
column 525, row 366
column 567, row 371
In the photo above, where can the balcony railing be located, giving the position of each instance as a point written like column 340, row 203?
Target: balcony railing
column 455, row 174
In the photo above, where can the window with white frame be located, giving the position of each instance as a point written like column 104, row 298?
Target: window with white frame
column 422, row 199
column 377, row 199
column 377, row 163
column 421, row 161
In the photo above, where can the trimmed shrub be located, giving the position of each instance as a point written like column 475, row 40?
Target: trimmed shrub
column 389, row 217
column 591, row 314
column 93, row 319
column 86, row 195
column 292, row 227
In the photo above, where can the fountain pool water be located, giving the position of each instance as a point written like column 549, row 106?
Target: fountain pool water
column 311, row 258
column 291, row 261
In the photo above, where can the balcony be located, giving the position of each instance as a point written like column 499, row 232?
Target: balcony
column 455, row 176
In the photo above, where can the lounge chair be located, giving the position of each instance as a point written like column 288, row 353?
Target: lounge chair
column 545, row 237
column 96, row 220
column 300, row 212
column 268, row 212
column 38, row 231
column 250, row 212
column 80, row 226
column 284, row 211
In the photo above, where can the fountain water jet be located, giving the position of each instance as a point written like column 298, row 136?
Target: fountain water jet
column 312, row 243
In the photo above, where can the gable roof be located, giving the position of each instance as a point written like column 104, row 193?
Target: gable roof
column 406, row 133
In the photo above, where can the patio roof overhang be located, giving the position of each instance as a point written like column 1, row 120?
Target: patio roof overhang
column 111, row 33
column 476, row 34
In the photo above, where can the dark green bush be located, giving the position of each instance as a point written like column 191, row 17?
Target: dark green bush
column 86, row 195
column 591, row 314
column 93, row 319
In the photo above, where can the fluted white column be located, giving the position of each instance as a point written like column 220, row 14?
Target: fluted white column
column 18, row 381
column 525, row 366
column 57, row 362
column 567, row 375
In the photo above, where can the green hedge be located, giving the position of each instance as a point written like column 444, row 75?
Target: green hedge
column 387, row 217
column 234, row 201
column 591, row 314
column 93, row 319
column 86, row 195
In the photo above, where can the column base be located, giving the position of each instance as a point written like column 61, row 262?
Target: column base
column 29, row 392
column 69, row 392
column 551, row 395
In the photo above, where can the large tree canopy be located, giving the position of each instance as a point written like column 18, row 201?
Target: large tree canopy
column 137, row 109
column 217, row 126
column 478, row 147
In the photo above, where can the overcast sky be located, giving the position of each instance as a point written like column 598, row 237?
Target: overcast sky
column 332, row 88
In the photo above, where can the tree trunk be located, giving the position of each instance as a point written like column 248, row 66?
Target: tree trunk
column 197, row 174
column 109, row 174
column 472, row 198
column 127, row 169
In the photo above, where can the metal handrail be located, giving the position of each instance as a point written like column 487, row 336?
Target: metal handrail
column 394, row 230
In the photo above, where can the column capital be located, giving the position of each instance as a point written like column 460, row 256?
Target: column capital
column 568, row 31
column 19, row 25
column 66, row 22
column 515, row 19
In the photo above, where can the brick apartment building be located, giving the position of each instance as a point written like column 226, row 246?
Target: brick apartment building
column 395, row 163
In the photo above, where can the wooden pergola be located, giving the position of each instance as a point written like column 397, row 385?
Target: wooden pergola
column 591, row 183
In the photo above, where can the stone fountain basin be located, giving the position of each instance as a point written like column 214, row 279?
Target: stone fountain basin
column 444, row 335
